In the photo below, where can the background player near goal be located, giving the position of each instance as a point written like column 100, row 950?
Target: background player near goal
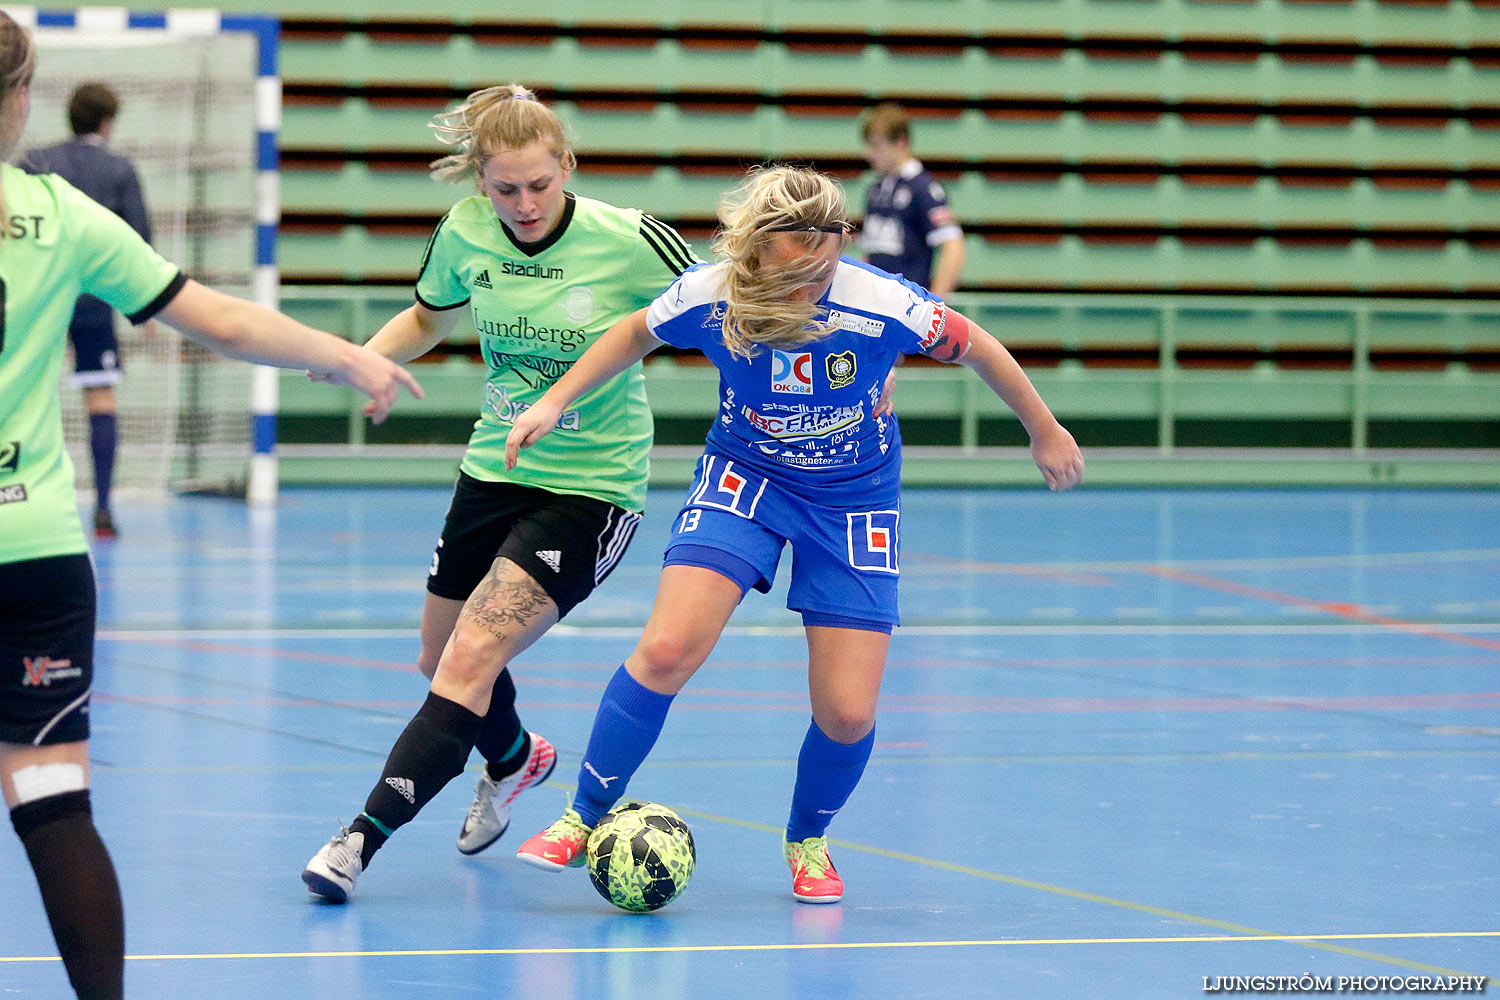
column 112, row 181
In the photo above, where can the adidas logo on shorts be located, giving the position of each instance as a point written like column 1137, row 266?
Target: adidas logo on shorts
column 552, row 557
column 406, row 787
column 482, row 279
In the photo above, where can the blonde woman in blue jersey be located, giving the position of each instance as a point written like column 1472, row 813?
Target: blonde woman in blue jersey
column 800, row 455
column 543, row 273
column 55, row 243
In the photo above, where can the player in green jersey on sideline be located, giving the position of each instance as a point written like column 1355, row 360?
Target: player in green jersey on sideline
column 544, row 273
column 55, row 242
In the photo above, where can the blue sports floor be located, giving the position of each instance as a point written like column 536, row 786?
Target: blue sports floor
column 1129, row 740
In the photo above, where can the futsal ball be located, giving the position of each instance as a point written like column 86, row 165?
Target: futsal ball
column 641, row 856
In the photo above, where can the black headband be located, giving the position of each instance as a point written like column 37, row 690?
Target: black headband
column 840, row 227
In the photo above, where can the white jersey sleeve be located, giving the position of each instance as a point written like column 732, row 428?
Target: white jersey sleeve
column 681, row 316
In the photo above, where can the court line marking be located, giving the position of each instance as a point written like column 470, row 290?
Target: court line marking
column 1362, row 560
column 1342, row 609
column 1365, row 623
column 1227, row 756
column 781, row 702
column 336, row 632
column 1370, row 623
column 1241, row 931
column 1248, row 933
column 787, row 946
column 314, row 572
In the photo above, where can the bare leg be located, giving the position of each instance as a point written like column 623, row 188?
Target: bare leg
column 845, row 667
column 504, row 615
column 692, row 607
column 439, row 617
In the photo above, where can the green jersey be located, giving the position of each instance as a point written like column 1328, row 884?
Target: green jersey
column 537, row 307
column 55, row 242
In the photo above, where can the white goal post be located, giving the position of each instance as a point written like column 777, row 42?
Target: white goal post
column 200, row 108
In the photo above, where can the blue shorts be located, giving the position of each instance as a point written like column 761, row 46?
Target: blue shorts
column 96, row 352
column 845, row 563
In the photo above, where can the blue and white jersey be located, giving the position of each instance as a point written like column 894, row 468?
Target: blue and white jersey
column 802, row 415
column 906, row 216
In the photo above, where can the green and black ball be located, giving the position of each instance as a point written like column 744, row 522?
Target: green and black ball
column 641, row 856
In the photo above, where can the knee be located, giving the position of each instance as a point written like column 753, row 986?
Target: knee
column 666, row 659
column 847, row 724
column 471, row 657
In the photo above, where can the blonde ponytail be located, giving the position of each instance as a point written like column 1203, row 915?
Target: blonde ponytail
column 759, row 305
column 492, row 120
column 17, row 61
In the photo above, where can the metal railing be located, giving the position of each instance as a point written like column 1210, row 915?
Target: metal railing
column 1074, row 328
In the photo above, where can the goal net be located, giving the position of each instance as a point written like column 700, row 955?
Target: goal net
column 188, row 121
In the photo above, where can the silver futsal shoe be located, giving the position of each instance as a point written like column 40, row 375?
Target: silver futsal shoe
column 489, row 816
column 333, row 871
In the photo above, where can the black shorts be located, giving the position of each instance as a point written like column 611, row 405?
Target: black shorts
column 567, row 544
column 47, row 609
column 96, row 351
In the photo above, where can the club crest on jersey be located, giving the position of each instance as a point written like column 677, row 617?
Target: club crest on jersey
column 791, row 372
column 935, row 329
column 579, row 304
column 840, row 369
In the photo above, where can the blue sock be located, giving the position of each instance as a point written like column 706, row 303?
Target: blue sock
column 102, row 437
column 826, row 775
column 626, row 726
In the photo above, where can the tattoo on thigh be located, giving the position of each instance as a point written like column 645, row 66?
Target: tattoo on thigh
column 500, row 606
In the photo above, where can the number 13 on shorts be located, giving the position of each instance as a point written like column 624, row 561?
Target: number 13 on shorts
column 874, row 541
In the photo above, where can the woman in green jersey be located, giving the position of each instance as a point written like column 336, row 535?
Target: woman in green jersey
column 55, row 243
column 543, row 273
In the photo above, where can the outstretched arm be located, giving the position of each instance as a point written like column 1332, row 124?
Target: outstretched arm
column 1052, row 448
column 617, row 348
column 248, row 331
column 413, row 332
column 409, row 334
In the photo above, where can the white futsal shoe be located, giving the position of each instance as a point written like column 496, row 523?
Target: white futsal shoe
column 489, row 816
column 333, row 871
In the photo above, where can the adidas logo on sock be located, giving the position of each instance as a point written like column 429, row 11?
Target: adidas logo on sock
column 482, row 280
column 406, row 788
column 552, row 557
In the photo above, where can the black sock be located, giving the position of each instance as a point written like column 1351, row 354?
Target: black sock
column 500, row 738
column 102, row 435
column 79, row 890
column 431, row 752
column 511, row 763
